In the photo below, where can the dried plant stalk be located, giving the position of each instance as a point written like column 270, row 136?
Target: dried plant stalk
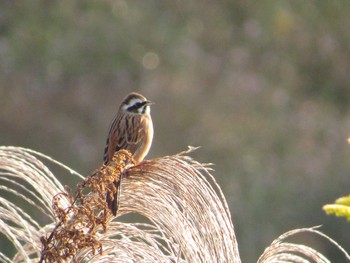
column 175, row 195
column 190, row 223
column 190, row 220
column 281, row 251
column 78, row 223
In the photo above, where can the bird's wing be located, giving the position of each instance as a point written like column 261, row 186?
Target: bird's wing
column 125, row 133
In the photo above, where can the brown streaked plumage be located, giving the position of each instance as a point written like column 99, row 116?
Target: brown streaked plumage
column 132, row 129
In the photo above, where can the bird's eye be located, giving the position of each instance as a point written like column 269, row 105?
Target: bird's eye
column 135, row 107
column 139, row 104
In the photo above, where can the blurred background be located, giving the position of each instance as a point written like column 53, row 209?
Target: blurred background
column 262, row 86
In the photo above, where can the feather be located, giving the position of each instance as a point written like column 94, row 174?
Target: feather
column 131, row 130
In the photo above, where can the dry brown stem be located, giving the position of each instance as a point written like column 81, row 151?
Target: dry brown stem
column 78, row 223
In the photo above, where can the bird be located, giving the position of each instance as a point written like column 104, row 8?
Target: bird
column 132, row 130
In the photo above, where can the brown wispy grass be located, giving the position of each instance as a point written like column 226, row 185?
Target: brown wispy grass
column 188, row 214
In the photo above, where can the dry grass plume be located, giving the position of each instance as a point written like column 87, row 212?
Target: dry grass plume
column 188, row 214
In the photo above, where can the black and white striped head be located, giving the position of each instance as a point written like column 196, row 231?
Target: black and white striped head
column 136, row 103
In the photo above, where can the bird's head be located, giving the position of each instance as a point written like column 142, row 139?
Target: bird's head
column 136, row 103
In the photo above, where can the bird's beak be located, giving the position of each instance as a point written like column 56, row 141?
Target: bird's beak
column 149, row 102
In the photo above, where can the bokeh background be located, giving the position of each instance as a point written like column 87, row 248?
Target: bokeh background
column 262, row 86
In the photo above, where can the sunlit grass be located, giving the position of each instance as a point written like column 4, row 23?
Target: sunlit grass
column 188, row 214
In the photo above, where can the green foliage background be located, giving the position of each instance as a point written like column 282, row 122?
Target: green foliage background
column 263, row 86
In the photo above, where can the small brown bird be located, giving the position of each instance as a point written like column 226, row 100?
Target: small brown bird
column 132, row 130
